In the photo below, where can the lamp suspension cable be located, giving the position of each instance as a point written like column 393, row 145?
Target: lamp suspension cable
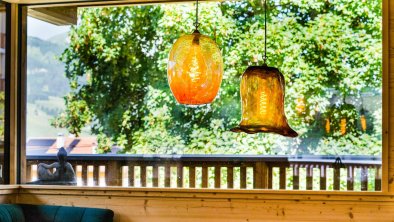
column 196, row 24
column 265, row 32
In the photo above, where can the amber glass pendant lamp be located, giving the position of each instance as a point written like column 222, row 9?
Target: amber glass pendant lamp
column 195, row 68
column 262, row 96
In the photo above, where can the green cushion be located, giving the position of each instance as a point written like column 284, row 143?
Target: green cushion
column 39, row 213
column 46, row 213
column 64, row 214
column 11, row 213
column 93, row 214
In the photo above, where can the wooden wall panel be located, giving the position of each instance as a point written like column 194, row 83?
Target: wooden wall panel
column 8, row 194
column 211, row 205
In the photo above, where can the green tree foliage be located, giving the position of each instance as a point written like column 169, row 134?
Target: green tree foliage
column 116, row 65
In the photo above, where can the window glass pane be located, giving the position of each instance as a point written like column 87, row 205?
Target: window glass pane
column 97, row 85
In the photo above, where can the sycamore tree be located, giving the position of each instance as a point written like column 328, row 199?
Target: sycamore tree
column 328, row 51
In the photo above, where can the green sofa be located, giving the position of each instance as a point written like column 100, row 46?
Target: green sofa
column 46, row 213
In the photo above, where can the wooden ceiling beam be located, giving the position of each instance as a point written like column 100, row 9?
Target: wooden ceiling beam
column 48, row 3
column 56, row 15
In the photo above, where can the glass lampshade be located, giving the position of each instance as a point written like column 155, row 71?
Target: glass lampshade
column 363, row 121
column 343, row 126
column 195, row 69
column 328, row 127
column 262, row 95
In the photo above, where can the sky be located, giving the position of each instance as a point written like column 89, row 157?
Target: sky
column 44, row 30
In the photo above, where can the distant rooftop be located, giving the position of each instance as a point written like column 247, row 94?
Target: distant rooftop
column 82, row 145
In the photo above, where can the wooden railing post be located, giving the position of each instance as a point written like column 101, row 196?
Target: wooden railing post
column 270, row 177
column 282, row 177
column 155, row 175
column 337, row 177
column 179, row 175
column 230, row 177
column 296, row 177
column 323, row 177
column 217, row 176
column 84, row 174
column 350, row 178
column 378, row 178
column 309, row 177
column 131, row 175
column 167, row 176
column 243, row 177
column 364, row 178
column 96, row 174
column 113, row 173
column 192, row 177
column 204, row 177
column 260, row 175
column 143, row 175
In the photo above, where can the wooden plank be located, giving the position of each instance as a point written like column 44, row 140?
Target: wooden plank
column 219, row 205
column 364, row 178
column 131, row 175
column 309, row 177
column 113, row 173
column 270, row 177
column 84, row 174
column 204, row 177
column 217, row 176
column 378, row 179
column 282, row 177
column 243, row 177
column 155, row 176
column 96, row 3
column 167, row 176
column 337, row 178
column 323, row 177
column 96, row 173
column 350, row 178
column 56, row 15
column 296, row 177
column 230, row 177
column 143, row 175
column 192, row 177
column 258, row 174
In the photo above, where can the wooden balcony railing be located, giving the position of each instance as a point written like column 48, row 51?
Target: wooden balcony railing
column 223, row 171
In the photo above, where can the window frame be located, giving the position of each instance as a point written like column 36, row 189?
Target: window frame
column 17, row 146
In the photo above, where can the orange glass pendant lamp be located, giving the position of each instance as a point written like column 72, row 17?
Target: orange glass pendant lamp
column 195, row 68
column 262, row 96
column 343, row 126
column 363, row 120
column 328, row 126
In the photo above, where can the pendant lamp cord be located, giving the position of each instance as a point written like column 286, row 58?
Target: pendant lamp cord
column 265, row 32
column 196, row 24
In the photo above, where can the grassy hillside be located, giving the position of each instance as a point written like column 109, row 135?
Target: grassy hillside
column 46, row 84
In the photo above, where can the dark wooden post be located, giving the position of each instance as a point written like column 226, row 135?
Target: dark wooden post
column 113, row 173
